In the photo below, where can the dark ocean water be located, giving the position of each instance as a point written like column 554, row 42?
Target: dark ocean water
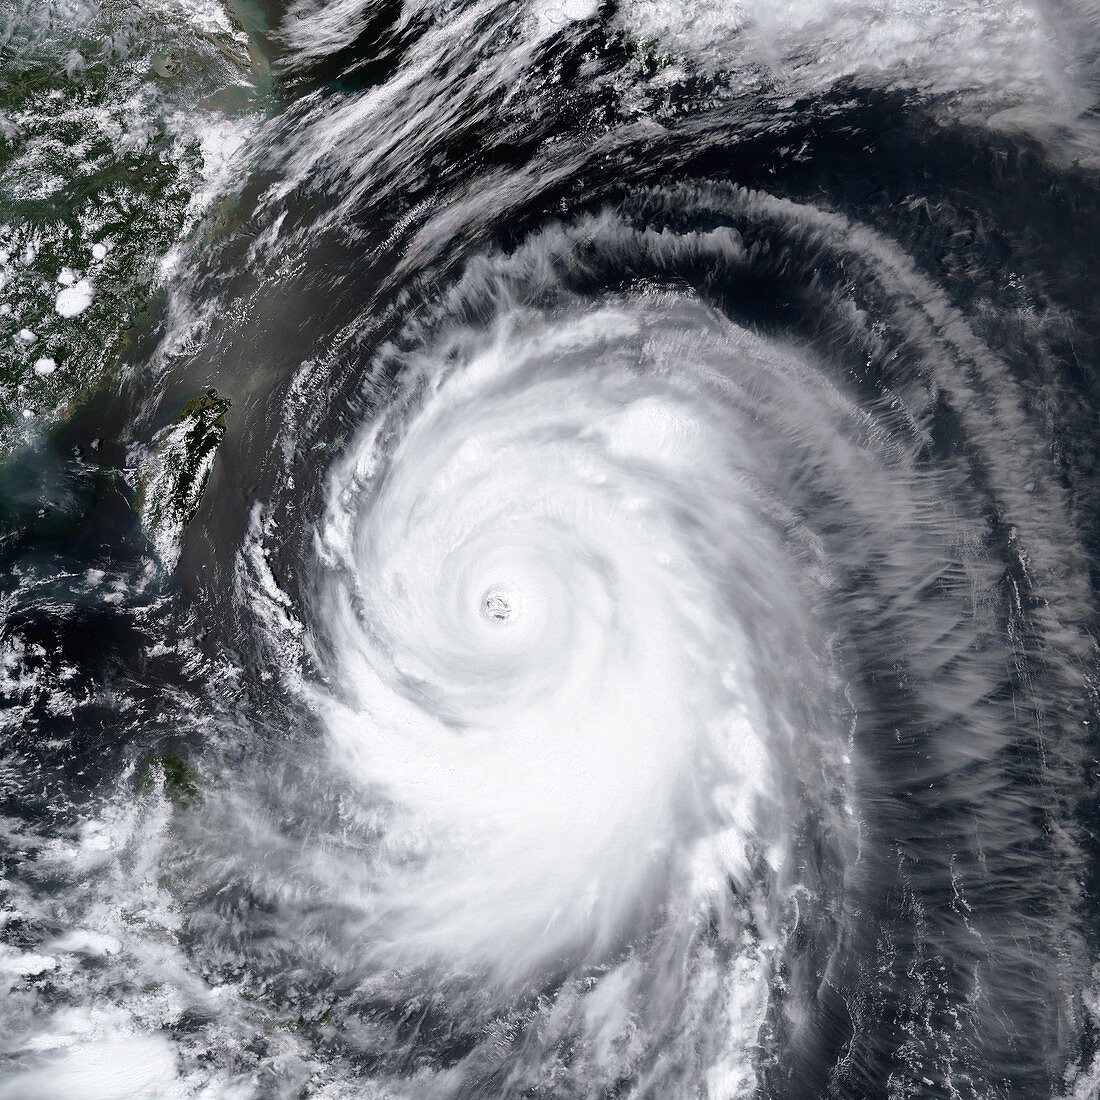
column 636, row 638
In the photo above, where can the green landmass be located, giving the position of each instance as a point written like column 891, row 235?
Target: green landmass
column 115, row 122
column 174, row 475
column 175, row 775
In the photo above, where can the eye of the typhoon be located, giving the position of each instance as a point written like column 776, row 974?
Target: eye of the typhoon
column 498, row 605
column 582, row 583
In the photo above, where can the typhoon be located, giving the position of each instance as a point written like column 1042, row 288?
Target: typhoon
column 582, row 580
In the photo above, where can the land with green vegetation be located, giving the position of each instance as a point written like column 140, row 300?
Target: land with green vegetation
column 174, row 475
column 120, row 125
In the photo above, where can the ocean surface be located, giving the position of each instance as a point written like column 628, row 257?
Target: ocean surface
column 549, row 549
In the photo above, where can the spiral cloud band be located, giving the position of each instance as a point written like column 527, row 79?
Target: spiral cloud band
column 614, row 599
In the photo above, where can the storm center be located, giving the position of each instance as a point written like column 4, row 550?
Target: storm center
column 497, row 606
